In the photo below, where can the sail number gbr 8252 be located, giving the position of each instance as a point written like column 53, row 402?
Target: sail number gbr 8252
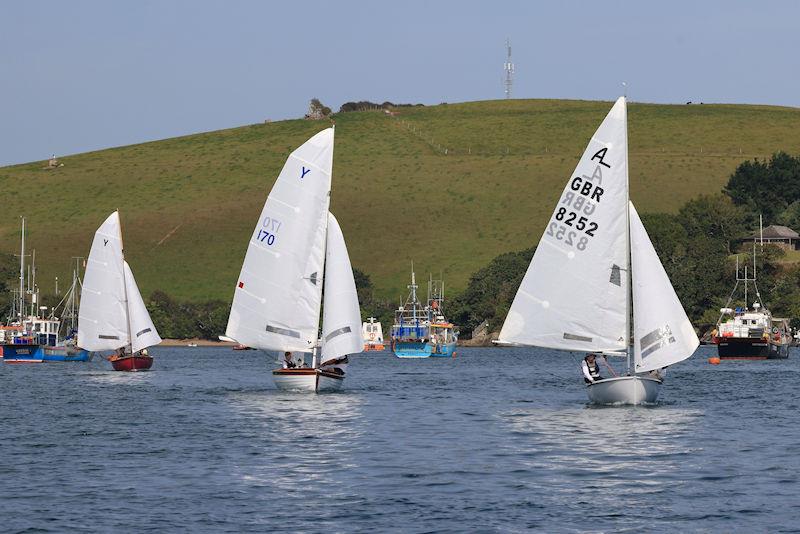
column 572, row 222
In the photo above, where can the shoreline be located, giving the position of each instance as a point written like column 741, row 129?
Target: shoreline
column 197, row 341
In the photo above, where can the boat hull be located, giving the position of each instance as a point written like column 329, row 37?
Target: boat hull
column 21, row 353
column 65, row 354
column 624, row 390
column 376, row 347
column 308, row 380
column 418, row 349
column 131, row 363
column 732, row 348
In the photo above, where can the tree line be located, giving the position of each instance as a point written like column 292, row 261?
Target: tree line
column 695, row 245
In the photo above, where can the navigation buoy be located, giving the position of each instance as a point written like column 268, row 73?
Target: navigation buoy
column 714, row 360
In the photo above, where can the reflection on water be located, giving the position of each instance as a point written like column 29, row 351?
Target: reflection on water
column 496, row 440
column 304, row 438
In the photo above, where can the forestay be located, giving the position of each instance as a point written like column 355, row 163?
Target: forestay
column 143, row 332
column 102, row 316
column 276, row 302
column 341, row 315
column 573, row 296
column 663, row 335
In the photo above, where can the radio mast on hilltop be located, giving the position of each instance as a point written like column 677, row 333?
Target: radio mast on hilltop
column 508, row 66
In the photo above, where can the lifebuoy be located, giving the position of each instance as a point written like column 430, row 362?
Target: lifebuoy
column 774, row 329
column 372, row 336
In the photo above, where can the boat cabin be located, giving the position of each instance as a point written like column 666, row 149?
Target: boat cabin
column 745, row 323
column 39, row 331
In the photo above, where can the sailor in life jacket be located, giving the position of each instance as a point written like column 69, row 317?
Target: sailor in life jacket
column 591, row 369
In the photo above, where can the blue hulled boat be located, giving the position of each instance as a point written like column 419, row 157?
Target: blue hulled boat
column 34, row 338
column 423, row 331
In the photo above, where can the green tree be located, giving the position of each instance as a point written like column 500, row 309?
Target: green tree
column 490, row 292
column 766, row 187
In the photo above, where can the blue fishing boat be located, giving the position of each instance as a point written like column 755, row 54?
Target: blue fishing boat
column 423, row 331
column 33, row 337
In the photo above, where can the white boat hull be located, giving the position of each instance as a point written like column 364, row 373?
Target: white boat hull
column 624, row 390
column 310, row 380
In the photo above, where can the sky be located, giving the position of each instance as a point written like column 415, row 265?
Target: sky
column 84, row 75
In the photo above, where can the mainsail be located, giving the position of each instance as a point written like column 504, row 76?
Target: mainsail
column 112, row 313
column 102, row 316
column 143, row 332
column 662, row 333
column 574, row 294
column 341, row 315
column 276, row 302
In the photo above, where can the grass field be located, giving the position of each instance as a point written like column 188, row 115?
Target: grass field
column 448, row 186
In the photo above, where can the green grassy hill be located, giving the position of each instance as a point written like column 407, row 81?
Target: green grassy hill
column 449, row 186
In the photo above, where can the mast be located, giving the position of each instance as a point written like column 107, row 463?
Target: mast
column 21, row 309
column 629, row 290
column 125, row 285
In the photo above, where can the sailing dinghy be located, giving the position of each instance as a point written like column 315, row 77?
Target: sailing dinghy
column 277, row 299
column 577, row 294
column 112, row 314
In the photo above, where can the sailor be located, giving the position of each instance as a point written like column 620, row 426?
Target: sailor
column 591, row 369
column 288, row 362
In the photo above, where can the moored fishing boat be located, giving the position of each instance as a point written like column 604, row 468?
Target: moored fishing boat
column 112, row 314
column 297, row 248
column 593, row 270
column 423, row 331
column 750, row 333
column 32, row 336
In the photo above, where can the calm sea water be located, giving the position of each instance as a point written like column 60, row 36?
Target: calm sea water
column 495, row 440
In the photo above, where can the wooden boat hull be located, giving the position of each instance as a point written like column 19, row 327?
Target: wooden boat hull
column 309, row 380
column 131, row 362
column 624, row 390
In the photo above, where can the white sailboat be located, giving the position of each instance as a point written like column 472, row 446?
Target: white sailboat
column 577, row 294
column 276, row 303
column 112, row 314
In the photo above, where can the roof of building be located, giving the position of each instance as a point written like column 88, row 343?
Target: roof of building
column 775, row 231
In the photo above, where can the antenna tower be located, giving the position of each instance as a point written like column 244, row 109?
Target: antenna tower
column 508, row 66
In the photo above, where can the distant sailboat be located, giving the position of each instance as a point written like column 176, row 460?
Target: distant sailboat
column 577, row 294
column 277, row 300
column 112, row 314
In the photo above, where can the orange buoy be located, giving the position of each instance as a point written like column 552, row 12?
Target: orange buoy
column 714, row 360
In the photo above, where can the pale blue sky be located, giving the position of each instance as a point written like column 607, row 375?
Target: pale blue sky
column 81, row 75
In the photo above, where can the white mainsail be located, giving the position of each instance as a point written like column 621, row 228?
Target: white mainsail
column 662, row 334
column 341, row 314
column 277, row 298
column 143, row 331
column 102, row 316
column 574, row 294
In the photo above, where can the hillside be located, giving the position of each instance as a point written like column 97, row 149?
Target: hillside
column 449, row 186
